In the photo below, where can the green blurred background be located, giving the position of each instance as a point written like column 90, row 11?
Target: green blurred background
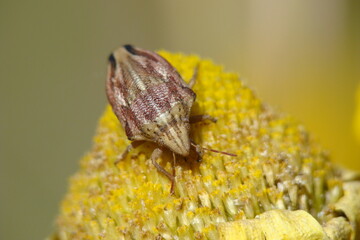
column 302, row 57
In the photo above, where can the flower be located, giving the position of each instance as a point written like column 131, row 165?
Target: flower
column 278, row 168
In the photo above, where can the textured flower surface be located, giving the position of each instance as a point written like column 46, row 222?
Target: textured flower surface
column 278, row 166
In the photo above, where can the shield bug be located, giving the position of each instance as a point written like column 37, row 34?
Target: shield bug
column 153, row 103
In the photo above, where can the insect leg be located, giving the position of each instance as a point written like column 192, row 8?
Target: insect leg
column 127, row 150
column 199, row 151
column 195, row 119
column 154, row 156
column 194, row 76
column 200, row 118
column 174, row 172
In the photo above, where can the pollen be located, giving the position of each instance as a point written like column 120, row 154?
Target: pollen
column 278, row 166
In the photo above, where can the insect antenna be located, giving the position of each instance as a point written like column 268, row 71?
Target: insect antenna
column 197, row 147
column 216, row 151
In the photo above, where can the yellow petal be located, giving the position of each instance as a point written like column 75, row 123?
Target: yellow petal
column 274, row 225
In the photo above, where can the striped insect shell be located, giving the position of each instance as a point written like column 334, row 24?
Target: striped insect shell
column 150, row 98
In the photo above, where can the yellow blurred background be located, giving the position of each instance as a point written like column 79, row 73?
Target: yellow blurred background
column 302, row 57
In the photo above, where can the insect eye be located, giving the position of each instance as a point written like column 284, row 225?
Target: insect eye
column 112, row 61
column 130, row 49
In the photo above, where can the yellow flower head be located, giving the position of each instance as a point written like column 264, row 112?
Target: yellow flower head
column 277, row 166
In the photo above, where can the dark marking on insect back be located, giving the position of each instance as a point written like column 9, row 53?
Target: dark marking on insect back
column 112, row 60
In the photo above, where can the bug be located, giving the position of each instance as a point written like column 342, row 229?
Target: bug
column 152, row 103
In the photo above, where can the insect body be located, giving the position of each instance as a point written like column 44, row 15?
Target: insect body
column 152, row 102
